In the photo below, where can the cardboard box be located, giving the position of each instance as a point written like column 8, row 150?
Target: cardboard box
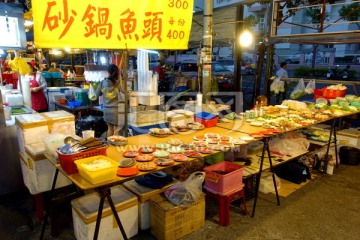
column 179, row 117
column 147, row 117
column 84, row 211
column 144, row 194
column 149, row 100
column 169, row 221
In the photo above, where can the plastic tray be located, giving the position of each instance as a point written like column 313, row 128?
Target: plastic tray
column 99, row 175
column 67, row 160
column 223, row 176
column 208, row 119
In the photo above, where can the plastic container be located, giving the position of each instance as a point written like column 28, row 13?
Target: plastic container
column 331, row 93
column 208, row 119
column 67, row 160
column 224, row 176
column 74, row 104
column 100, row 175
column 318, row 93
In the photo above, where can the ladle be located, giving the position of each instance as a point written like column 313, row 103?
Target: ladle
column 70, row 140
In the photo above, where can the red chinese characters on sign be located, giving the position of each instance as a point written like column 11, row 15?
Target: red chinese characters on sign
column 97, row 22
column 128, row 25
column 101, row 27
column 153, row 26
column 52, row 21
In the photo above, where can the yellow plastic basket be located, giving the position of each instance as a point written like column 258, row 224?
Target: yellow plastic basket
column 99, row 175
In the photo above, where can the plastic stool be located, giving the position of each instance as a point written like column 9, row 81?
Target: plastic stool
column 224, row 200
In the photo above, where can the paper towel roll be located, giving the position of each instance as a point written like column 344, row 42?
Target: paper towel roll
column 199, row 98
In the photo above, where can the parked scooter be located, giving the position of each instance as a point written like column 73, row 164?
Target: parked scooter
column 345, row 73
column 332, row 73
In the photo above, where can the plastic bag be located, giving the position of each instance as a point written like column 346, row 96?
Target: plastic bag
column 277, row 86
column 299, row 90
column 188, row 192
column 91, row 93
column 309, row 89
column 267, row 184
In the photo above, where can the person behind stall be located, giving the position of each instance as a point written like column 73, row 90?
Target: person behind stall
column 346, row 73
column 70, row 73
column 110, row 88
column 37, row 87
column 282, row 73
column 53, row 68
column 261, row 101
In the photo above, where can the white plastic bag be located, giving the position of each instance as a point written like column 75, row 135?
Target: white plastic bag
column 91, row 93
column 277, row 86
column 299, row 90
column 267, row 183
column 309, row 89
column 187, row 192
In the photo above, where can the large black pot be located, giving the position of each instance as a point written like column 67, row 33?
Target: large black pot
column 349, row 155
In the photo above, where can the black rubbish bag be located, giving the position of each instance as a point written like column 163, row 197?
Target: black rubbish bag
column 156, row 180
column 295, row 171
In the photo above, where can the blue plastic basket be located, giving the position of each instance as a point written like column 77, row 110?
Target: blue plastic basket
column 74, row 104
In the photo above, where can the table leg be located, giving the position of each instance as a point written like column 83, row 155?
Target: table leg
column 332, row 132
column 265, row 140
column 98, row 219
column 49, row 204
column 106, row 193
column 273, row 175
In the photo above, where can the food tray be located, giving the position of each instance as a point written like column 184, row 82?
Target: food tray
column 99, row 175
column 67, row 160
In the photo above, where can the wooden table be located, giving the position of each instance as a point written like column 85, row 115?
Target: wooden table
column 235, row 129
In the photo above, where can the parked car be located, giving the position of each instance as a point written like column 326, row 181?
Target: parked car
column 295, row 58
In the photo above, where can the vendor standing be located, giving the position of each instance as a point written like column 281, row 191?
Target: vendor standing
column 37, row 87
column 110, row 89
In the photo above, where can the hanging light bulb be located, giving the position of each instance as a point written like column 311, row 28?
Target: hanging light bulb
column 246, row 39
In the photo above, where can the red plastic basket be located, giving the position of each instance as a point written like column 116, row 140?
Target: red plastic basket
column 318, row 93
column 331, row 93
column 67, row 160
column 223, row 176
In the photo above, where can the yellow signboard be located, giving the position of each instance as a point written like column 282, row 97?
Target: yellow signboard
column 109, row 24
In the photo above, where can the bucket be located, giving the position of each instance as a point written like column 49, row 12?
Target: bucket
column 349, row 155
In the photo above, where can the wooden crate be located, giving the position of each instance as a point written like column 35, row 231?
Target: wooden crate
column 169, row 221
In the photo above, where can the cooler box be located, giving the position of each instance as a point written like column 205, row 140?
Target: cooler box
column 208, row 119
column 349, row 136
column 31, row 128
column 144, row 194
column 81, row 95
column 223, row 176
column 39, row 171
column 60, row 122
column 84, row 212
column 169, row 221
